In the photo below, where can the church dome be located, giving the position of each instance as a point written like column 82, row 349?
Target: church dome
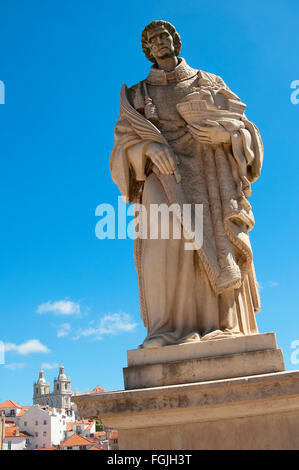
column 41, row 378
column 62, row 375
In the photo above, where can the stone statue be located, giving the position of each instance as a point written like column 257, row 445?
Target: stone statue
column 182, row 137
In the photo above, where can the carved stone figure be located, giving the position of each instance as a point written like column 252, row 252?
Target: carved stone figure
column 182, row 137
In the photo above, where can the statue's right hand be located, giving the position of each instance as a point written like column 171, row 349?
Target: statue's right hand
column 163, row 157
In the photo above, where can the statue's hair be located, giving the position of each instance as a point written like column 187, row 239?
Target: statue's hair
column 170, row 28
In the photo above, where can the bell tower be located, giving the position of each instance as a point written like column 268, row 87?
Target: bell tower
column 40, row 388
column 62, row 390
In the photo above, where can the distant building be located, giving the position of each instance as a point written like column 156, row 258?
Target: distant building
column 14, row 439
column 61, row 395
column 11, row 409
column 46, row 425
column 84, row 427
column 78, row 442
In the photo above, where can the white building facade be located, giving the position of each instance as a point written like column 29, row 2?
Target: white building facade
column 46, row 425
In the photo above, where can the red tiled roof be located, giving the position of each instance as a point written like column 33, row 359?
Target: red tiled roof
column 96, row 448
column 98, row 389
column 69, row 425
column 10, row 404
column 76, row 440
column 12, row 431
column 23, row 410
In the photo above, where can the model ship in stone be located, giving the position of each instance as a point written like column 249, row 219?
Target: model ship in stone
column 215, row 105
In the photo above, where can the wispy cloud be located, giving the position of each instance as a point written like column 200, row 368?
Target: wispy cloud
column 273, row 283
column 15, row 365
column 63, row 330
column 48, row 366
column 29, row 347
column 109, row 325
column 59, row 307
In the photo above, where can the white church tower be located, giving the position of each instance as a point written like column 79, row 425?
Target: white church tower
column 62, row 390
column 41, row 387
column 61, row 395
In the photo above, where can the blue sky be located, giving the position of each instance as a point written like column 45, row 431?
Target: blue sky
column 63, row 64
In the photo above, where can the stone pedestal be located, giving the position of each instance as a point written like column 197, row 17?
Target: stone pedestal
column 197, row 362
column 257, row 408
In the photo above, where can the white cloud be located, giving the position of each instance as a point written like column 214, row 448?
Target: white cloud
column 273, row 283
column 15, row 365
column 109, row 325
column 59, row 307
column 48, row 366
column 29, row 347
column 63, row 330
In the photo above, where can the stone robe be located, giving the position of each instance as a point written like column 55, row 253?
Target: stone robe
column 200, row 294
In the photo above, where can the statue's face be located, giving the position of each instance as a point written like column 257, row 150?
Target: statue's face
column 160, row 43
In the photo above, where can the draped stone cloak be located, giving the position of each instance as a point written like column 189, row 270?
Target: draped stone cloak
column 186, row 294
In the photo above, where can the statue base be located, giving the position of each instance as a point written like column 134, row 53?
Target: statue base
column 253, row 409
column 208, row 360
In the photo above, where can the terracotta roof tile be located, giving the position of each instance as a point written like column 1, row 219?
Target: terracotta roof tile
column 76, row 440
column 23, row 410
column 98, row 389
column 10, row 404
column 13, row 431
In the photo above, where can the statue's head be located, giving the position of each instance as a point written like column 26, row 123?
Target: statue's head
column 160, row 40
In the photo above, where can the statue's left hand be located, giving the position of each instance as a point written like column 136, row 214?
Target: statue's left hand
column 210, row 133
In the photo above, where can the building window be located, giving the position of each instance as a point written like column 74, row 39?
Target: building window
column 57, row 386
column 44, row 433
column 12, row 413
column 27, row 442
column 25, row 423
column 9, row 445
column 36, row 423
column 45, row 422
column 36, row 434
column 65, row 386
